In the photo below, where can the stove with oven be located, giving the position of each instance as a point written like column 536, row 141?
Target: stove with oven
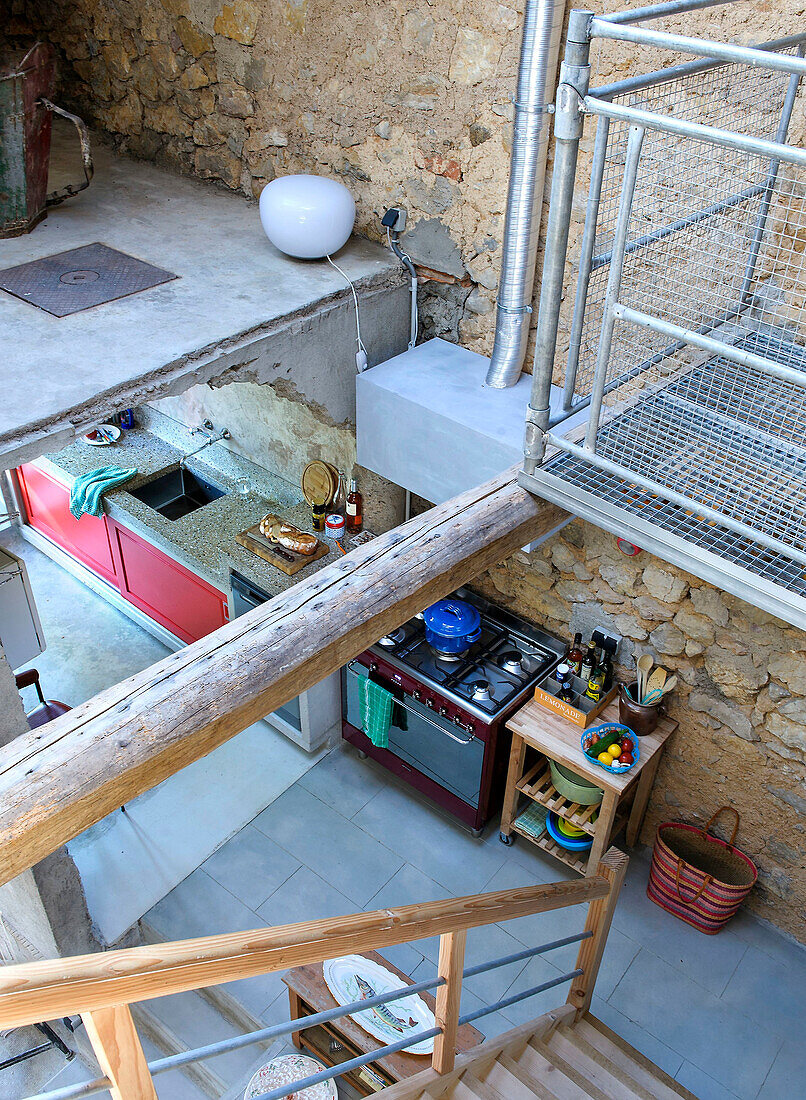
column 447, row 737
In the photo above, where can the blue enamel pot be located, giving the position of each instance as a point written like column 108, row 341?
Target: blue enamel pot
column 452, row 626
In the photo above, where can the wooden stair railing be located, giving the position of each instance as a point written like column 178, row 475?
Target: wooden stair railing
column 101, row 987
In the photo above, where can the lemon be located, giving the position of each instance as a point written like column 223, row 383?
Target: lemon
column 605, row 758
column 615, row 751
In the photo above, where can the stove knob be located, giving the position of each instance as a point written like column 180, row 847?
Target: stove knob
column 430, row 703
column 457, row 721
column 417, row 694
column 443, row 711
column 373, row 667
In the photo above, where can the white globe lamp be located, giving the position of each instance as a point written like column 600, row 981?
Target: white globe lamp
column 308, row 217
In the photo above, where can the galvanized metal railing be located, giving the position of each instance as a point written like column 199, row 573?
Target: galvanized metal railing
column 101, row 987
column 688, row 337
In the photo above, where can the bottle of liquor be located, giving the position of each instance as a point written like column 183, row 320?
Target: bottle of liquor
column 596, row 684
column 589, row 662
column 607, row 667
column 575, row 655
column 354, row 509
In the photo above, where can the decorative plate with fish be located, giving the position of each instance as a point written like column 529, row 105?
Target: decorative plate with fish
column 287, row 1069
column 103, row 435
column 354, row 978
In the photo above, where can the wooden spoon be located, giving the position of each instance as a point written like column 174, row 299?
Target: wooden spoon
column 643, row 665
column 655, row 682
column 670, row 685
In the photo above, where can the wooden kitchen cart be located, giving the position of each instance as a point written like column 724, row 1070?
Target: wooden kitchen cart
column 540, row 735
column 343, row 1039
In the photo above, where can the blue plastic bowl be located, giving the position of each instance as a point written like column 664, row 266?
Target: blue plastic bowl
column 598, row 732
column 581, row 844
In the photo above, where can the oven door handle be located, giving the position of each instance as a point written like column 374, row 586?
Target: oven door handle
column 419, row 714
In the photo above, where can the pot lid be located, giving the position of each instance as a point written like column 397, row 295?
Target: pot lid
column 452, row 618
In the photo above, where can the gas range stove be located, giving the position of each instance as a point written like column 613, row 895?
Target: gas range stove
column 500, row 669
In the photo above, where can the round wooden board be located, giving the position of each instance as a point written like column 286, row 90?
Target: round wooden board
column 318, row 483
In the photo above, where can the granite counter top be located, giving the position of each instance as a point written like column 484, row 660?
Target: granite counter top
column 203, row 540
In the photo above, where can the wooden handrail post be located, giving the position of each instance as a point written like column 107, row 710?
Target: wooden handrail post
column 117, row 1047
column 612, row 867
column 451, row 965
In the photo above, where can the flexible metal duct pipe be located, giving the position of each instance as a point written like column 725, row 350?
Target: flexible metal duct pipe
column 542, row 26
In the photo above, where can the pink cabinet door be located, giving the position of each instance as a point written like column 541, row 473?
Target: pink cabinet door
column 162, row 588
column 47, row 503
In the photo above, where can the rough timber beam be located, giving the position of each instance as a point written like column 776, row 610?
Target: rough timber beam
column 58, row 780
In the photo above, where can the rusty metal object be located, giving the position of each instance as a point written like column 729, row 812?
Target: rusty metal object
column 27, row 82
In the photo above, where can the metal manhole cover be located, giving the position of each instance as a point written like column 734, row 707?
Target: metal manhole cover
column 80, row 278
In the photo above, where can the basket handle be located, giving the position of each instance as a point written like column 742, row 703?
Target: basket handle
column 696, row 897
column 704, row 832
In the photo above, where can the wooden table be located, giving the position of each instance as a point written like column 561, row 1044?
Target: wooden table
column 553, row 737
column 343, row 1039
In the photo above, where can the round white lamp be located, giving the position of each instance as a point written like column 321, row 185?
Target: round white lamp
column 309, row 217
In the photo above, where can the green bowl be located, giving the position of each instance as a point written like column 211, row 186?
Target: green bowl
column 574, row 786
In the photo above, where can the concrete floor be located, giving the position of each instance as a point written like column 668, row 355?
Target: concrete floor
column 725, row 1015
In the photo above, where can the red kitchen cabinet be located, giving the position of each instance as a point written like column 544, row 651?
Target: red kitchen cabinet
column 162, row 588
column 47, row 503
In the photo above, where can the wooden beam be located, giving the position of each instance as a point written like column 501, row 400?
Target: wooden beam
column 451, row 965
column 52, row 988
column 58, row 780
column 120, row 1055
column 612, row 868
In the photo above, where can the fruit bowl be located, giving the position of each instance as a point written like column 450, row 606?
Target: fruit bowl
column 615, row 732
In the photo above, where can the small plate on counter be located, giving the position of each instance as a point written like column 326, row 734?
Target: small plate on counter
column 102, row 436
column 354, row 978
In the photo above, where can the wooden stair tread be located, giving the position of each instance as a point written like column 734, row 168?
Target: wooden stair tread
column 540, row 1068
column 547, row 1085
column 507, row 1082
column 476, row 1089
column 596, row 1067
column 641, row 1069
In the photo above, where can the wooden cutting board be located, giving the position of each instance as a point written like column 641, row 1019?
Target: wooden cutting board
column 252, row 539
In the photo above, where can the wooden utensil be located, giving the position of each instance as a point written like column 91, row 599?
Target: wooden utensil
column 288, row 561
column 643, row 666
column 655, row 683
column 319, row 483
column 670, row 685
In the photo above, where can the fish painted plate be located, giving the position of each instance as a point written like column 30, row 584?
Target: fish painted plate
column 287, row 1069
column 354, row 978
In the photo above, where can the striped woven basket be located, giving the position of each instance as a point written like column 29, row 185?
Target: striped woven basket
column 698, row 877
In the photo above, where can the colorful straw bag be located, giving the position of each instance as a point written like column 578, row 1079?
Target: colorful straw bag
column 698, row 877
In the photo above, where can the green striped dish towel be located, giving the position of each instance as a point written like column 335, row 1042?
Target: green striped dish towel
column 87, row 490
column 375, row 704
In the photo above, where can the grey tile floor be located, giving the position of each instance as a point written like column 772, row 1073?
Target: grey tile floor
column 724, row 1014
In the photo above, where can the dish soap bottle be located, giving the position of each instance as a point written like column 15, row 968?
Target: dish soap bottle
column 354, row 509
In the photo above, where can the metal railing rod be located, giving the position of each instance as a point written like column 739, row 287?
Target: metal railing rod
column 684, row 223
column 658, row 11
column 530, row 952
column 770, row 150
column 687, row 68
column 347, row 1067
column 695, row 506
column 74, row 1092
column 485, row 1010
column 715, row 347
column 700, row 47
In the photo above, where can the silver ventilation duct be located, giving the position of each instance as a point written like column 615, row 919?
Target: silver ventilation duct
column 542, row 28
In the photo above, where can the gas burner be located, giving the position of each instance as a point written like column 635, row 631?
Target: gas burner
column 450, row 657
column 393, row 639
column 481, row 691
column 511, row 661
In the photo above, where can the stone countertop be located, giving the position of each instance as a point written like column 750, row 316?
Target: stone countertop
column 203, row 540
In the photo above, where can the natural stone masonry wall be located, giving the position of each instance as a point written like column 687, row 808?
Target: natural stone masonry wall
column 409, row 103
column 740, row 702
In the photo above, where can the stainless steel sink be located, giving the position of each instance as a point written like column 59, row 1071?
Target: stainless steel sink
column 177, row 492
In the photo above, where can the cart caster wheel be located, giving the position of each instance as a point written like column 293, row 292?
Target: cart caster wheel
column 476, row 833
column 505, row 838
column 362, row 755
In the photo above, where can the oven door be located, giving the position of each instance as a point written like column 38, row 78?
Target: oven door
column 451, row 758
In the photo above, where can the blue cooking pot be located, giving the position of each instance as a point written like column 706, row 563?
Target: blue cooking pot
column 451, row 626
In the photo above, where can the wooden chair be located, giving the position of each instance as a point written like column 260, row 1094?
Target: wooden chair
column 48, row 709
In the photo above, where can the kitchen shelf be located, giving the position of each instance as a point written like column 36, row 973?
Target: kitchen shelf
column 577, row 862
column 537, row 784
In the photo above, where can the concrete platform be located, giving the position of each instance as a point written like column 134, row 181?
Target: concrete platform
column 238, row 306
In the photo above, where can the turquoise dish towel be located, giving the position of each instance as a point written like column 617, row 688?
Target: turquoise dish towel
column 375, row 704
column 85, row 496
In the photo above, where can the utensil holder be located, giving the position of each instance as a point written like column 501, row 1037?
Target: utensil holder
column 641, row 719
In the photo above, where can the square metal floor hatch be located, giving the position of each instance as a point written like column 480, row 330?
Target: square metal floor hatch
column 71, row 281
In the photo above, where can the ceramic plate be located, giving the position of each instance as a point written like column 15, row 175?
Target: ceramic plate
column 96, row 439
column 353, row 978
column 287, row 1069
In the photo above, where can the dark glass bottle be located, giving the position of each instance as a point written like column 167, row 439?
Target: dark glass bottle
column 589, row 662
column 354, row 509
column 596, row 684
column 575, row 655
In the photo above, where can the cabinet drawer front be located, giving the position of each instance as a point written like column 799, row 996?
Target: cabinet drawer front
column 47, row 503
column 165, row 590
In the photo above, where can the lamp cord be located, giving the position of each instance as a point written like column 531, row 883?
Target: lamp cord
column 361, row 356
